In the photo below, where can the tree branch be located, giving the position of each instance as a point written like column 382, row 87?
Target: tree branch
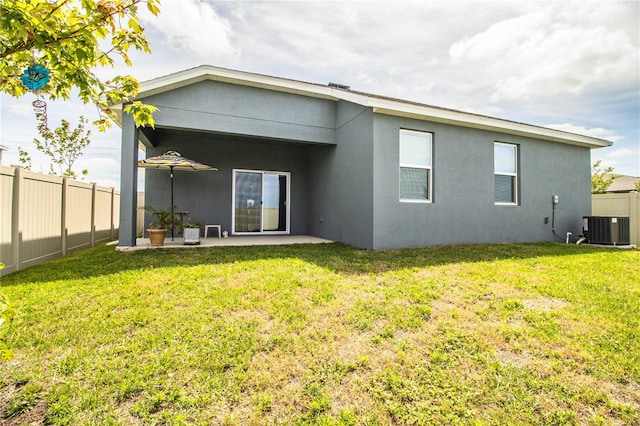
column 30, row 43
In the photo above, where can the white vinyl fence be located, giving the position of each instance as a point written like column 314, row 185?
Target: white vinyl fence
column 44, row 217
column 623, row 204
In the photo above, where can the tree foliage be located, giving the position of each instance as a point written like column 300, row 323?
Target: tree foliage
column 6, row 316
column 62, row 146
column 601, row 178
column 71, row 38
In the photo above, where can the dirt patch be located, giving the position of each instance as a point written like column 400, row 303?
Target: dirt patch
column 35, row 416
column 618, row 394
column 442, row 308
column 506, row 357
column 545, row 304
column 29, row 411
column 628, row 394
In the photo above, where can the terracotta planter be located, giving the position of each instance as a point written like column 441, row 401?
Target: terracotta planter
column 156, row 236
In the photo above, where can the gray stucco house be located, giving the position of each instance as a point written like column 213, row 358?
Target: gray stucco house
column 366, row 170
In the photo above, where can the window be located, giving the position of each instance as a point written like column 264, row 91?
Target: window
column 415, row 165
column 505, row 165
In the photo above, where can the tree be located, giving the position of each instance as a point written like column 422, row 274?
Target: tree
column 62, row 146
column 67, row 37
column 601, row 179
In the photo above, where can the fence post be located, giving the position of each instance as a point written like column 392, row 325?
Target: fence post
column 93, row 214
column 113, row 213
column 633, row 217
column 16, row 231
column 63, row 216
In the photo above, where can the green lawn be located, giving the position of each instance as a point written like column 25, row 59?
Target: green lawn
column 327, row 334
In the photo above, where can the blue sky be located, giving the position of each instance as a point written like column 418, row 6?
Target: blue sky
column 573, row 66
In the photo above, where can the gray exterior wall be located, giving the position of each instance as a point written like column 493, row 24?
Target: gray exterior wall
column 207, row 195
column 343, row 159
column 342, row 180
column 463, row 208
column 247, row 111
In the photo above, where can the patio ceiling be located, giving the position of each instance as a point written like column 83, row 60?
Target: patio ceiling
column 154, row 137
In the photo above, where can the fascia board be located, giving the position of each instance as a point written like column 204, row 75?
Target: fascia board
column 202, row 73
column 475, row 121
column 379, row 105
column 207, row 72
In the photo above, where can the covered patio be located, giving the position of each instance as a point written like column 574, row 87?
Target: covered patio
column 262, row 139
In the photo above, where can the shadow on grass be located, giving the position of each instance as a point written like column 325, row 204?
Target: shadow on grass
column 339, row 258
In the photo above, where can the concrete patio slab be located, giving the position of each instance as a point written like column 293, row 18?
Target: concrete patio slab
column 261, row 240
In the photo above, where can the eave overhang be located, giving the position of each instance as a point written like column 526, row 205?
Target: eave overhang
column 379, row 104
column 474, row 121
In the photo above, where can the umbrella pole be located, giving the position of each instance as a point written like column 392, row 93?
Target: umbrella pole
column 172, row 216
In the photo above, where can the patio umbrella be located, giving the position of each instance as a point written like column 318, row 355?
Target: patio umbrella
column 173, row 161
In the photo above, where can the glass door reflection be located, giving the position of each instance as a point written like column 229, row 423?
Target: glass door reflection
column 248, row 200
column 261, row 202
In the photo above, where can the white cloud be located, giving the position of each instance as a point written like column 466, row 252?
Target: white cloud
column 103, row 171
column 24, row 109
column 194, row 28
column 624, row 160
column 366, row 78
column 622, row 153
column 596, row 132
column 534, row 62
column 548, row 51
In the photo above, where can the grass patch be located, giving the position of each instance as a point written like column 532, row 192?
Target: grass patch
column 327, row 334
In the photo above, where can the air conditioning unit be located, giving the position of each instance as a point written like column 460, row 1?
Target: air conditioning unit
column 611, row 230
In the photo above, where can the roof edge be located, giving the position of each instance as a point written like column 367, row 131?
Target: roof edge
column 475, row 121
column 210, row 72
column 379, row 104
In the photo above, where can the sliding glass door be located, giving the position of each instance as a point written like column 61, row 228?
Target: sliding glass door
column 260, row 202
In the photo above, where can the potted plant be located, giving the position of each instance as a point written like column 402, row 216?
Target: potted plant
column 191, row 232
column 164, row 221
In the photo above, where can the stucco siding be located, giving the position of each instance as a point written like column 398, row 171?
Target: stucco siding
column 343, row 160
column 242, row 110
column 463, row 208
column 342, row 180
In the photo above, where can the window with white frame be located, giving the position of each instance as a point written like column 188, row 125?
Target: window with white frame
column 415, row 165
column 505, row 165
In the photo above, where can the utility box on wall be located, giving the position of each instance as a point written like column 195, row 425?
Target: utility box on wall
column 612, row 230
